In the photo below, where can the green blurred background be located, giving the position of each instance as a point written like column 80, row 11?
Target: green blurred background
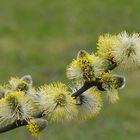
column 40, row 37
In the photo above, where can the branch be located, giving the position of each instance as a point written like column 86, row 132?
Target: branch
column 18, row 123
column 112, row 66
column 86, row 86
column 13, row 126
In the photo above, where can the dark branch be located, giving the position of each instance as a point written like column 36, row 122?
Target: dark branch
column 13, row 126
column 112, row 66
column 85, row 87
column 88, row 85
column 18, row 123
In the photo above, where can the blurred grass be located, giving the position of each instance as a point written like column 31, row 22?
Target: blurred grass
column 40, row 37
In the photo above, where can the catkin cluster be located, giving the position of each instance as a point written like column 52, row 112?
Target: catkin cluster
column 91, row 76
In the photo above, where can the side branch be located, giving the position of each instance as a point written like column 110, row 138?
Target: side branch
column 85, row 87
column 112, row 66
column 88, row 85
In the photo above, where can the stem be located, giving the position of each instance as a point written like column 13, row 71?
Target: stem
column 18, row 123
column 86, row 86
column 112, row 66
column 13, row 126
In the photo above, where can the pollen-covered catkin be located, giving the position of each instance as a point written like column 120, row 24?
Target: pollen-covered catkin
column 57, row 102
column 85, row 68
column 35, row 126
column 89, row 104
column 126, row 50
column 16, row 106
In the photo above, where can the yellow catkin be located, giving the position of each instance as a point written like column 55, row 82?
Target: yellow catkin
column 110, row 84
column 57, row 102
column 21, row 105
column 85, row 68
column 89, row 104
column 127, row 50
column 35, row 126
column 108, row 80
column 105, row 46
column 18, row 84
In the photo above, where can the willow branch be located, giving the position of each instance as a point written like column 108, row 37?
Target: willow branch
column 18, row 123
column 13, row 126
column 86, row 86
